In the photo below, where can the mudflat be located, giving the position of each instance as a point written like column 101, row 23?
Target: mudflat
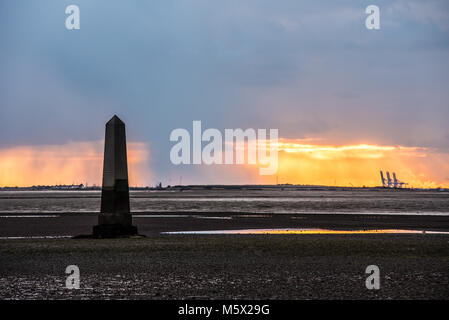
column 234, row 266
column 228, row 267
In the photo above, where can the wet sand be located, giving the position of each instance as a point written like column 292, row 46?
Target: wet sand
column 227, row 266
column 152, row 224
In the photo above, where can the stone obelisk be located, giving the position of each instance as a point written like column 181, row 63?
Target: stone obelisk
column 115, row 217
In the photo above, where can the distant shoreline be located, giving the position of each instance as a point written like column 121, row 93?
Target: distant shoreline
column 217, row 187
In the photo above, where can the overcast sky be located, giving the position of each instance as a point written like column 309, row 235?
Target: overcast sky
column 309, row 68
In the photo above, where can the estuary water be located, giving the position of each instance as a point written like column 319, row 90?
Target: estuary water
column 272, row 201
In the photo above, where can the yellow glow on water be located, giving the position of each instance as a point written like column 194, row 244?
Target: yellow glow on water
column 325, row 231
column 307, row 231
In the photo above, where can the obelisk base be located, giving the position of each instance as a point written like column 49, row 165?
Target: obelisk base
column 113, row 231
column 112, row 225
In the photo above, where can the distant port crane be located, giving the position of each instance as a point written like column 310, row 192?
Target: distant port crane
column 391, row 183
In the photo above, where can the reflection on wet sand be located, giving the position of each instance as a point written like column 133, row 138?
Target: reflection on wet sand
column 307, row 231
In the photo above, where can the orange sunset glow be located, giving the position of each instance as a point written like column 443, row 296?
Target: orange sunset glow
column 74, row 162
column 300, row 162
column 358, row 165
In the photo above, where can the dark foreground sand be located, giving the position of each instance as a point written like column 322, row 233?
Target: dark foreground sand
column 152, row 224
column 228, row 267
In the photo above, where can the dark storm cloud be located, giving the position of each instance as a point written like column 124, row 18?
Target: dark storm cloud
column 309, row 68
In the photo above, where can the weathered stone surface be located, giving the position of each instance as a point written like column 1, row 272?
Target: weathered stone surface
column 115, row 218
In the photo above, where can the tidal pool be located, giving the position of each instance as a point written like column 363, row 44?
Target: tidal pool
column 307, row 231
